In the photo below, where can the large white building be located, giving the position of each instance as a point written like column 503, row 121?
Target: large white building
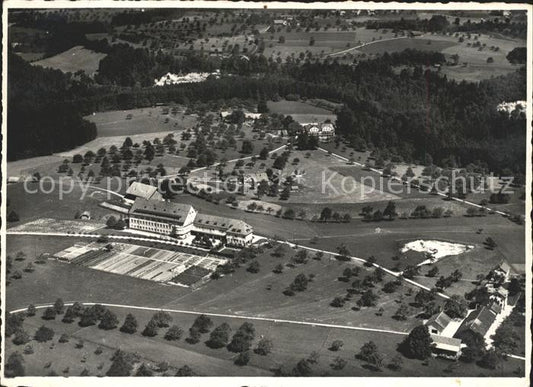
column 182, row 221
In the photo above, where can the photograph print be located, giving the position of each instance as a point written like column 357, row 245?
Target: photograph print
column 250, row 191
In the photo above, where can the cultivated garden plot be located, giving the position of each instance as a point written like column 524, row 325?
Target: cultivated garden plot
column 145, row 263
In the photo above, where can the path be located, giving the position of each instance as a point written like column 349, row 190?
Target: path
column 253, row 318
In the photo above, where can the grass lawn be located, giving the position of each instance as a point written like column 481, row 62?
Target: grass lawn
column 75, row 59
column 142, row 120
column 398, row 45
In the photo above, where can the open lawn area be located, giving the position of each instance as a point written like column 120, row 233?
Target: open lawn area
column 75, row 59
column 139, row 121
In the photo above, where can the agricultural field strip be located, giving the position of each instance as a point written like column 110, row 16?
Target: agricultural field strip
column 400, row 181
column 365, row 44
column 267, row 319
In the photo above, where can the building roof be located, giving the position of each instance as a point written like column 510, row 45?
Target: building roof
column 440, row 320
column 446, row 343
column 479, row 320
column 235, row 226
column 170, row 210
column 141, row 190
column 504, row 266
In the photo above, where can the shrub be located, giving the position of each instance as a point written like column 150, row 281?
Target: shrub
column 44, row 334
column 174, row 333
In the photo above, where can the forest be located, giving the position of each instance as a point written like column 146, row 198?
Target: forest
column 414, row 114
column 40, row 118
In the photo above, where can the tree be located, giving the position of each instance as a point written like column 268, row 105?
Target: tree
column 108, row 321
column 263, row 155
column 390, row 210
column 433, row 272
column 203, row 323
column 302, row 368
column 338, row 302
column 489, row 360
column 401, row 313
column 121, row 364
column 247, row 147
column 262, row 107
column 31, row 310
column 130, row 324
column 64, row 338
column 243, row 358
column 144, row 370
column 336, row 345
column 174, row 333
column 514, row 287
column 455, row 307
column 12, row 216
column 14, row 365
column 338, row 363
column 368, row 298
column 185, row 371
column 44, row 334
column 417, row 344
column 396, row 363
column 369, row 353
column 111, row 222
column 220, row 336
column 300, row 283
column 49, row 314
column 150, row 329
column 59, row 306
column 21, row 337
column 69, row 315
column 326, row 213
column 343, row 252
column 278, row 269
column 242, row 339
column 254, row 267
column 162, row 319
column 264, row 347
column 194, row 335
column 505, row 339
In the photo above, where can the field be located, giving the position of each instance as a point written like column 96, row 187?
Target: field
column 290, row 344
column 139, row 121
column 73, row 60
column 397, row 45
column 145, row 263
column 301, row 112
column 291, row 341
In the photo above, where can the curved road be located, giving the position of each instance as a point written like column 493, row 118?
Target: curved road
column 268, row 319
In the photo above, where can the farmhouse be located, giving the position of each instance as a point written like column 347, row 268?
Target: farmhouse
column 447, row 347
column 143, row 191
column 182, row 221
column 438, row 323
column 325, row 131
column 479, row 321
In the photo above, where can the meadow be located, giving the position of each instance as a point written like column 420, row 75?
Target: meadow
column 75, row 59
